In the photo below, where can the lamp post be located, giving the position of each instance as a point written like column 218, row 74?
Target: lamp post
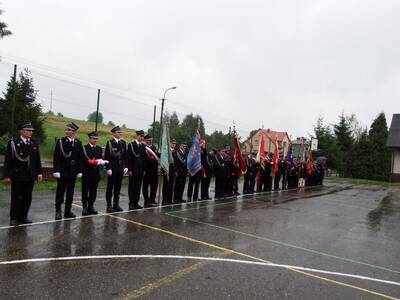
column 162, row 111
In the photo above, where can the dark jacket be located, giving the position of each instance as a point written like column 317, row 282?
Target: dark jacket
column 115, row 153
column 136, row 158
column 219, row 166
column 89, row 152
column 180, row 162
column 207, row 162
column 151, row 165
column 67, row 157
column 25, row 168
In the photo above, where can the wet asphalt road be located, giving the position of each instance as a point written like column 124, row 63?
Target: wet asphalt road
column 337, row 227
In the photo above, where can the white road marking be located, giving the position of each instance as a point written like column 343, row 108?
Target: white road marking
column 217, row 259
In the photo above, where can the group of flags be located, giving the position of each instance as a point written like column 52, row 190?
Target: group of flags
column 194, row 155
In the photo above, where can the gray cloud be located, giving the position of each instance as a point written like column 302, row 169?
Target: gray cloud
column 280, row 64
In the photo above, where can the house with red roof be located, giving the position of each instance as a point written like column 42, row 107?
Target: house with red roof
column 270, row 136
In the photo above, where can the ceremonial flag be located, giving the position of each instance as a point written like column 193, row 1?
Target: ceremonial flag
column 166, row 154
column 309, row 164
column 237, row 154
column 276, row 158
column 194, row 155
column 261, row 152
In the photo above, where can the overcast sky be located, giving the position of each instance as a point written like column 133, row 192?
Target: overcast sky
column 280, row 64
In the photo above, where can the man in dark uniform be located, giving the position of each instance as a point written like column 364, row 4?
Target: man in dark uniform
column 169, row 180
column 151, row 173
column 229, row 171
column 136, row 154
column 67, row 168
column 115, row 154
column 219, row 172
column 180, row 157
column 22, row 167
column 250, row 176
column 207, row 161
column 91, row 160
column 267, row 178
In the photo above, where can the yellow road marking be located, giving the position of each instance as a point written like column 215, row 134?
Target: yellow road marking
column 250, row 256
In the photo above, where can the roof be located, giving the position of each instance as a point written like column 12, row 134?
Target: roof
column 393, row 140
column 272, row 135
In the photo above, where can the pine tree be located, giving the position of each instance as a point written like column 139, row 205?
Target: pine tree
column 360, row 157
column 3, row 28
column 345, row 142
column 380, row 154
column 26, row 109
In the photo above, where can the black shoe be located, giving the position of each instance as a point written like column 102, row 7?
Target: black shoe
column 183, row 201
column 85, row 212
column 137, row 206
column 163, row 203
column 26, row 221
column 69, row 215
column 188, row 200
column 14, row 223
column 131, row 207
column 116, row 207
column 153, row 204
column 110, row 209
column 58, row 215
column 92, row 211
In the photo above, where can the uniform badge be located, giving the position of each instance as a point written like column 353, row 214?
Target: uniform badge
column 18, row 144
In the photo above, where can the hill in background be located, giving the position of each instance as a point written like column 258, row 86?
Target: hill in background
column 54, row 128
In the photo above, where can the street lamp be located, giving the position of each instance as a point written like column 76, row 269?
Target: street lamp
column 162, row 111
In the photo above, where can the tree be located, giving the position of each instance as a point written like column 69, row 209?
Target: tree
column 110, row 123
column 380, row 154
column 360, row 158
column 345, row 142
column 26, row 109
column 92, row 117
column 327, row 144
column 60, row 115
column 3, row 28
column 190, row 123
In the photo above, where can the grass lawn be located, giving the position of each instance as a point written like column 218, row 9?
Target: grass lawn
column 364, row 181
column 54, row 128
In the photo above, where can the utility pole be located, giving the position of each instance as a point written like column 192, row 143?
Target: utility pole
column 97, row 110
column 14, row 84
column 162, row 111
column 154, row 119
column 51, row 100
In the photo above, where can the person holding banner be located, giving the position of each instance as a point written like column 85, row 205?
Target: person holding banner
column 194, row 168
column 181, row 172
column 150, row 179
column 207, row 161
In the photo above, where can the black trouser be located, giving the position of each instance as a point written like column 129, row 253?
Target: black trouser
column 193, row 181
column 277, row 179
column 21, row 199
column 168, row 189
column 150, row 180
column 89, row 190
column 65, row 186
column 135, row 183
column 267, row 183
column 249, row 183
column 114, row 187
column 219, row 186
column 205, row 187
column 179, row 187
column 228, row 185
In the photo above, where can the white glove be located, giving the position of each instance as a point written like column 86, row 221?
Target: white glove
column 101, row 162
column 109, row 172
column 125, row 171
column 79, row 175
column 57, row 175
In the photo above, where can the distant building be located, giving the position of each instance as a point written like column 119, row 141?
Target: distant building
column 297, row 145
column 393, row 143
column 270, row 136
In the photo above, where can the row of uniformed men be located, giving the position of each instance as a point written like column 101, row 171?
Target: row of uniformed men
column 72, row 160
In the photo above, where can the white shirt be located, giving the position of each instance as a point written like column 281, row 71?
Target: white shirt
column 117, row 140
column 25, row 140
